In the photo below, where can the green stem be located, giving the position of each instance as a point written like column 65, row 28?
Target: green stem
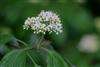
column 41, row 39
column 22, row 42
column 28, row 48
column 45, row 49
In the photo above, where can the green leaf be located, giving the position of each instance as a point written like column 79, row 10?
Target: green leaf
column 55, row 60
column 15, row 58
column 30, row 64
column 38, row 56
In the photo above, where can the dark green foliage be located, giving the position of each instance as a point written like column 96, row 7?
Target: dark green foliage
column 5, row 36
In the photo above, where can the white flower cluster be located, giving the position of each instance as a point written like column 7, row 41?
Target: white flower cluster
column 46, row 21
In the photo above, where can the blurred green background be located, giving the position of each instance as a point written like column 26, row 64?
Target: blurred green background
column 80, row 41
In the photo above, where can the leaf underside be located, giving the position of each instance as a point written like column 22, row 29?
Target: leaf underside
column 15, row 58
column 55, row 60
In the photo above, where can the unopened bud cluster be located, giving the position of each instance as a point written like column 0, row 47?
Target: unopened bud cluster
column 46, row 21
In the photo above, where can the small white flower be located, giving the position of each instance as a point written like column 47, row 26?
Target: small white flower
column 46, row 21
